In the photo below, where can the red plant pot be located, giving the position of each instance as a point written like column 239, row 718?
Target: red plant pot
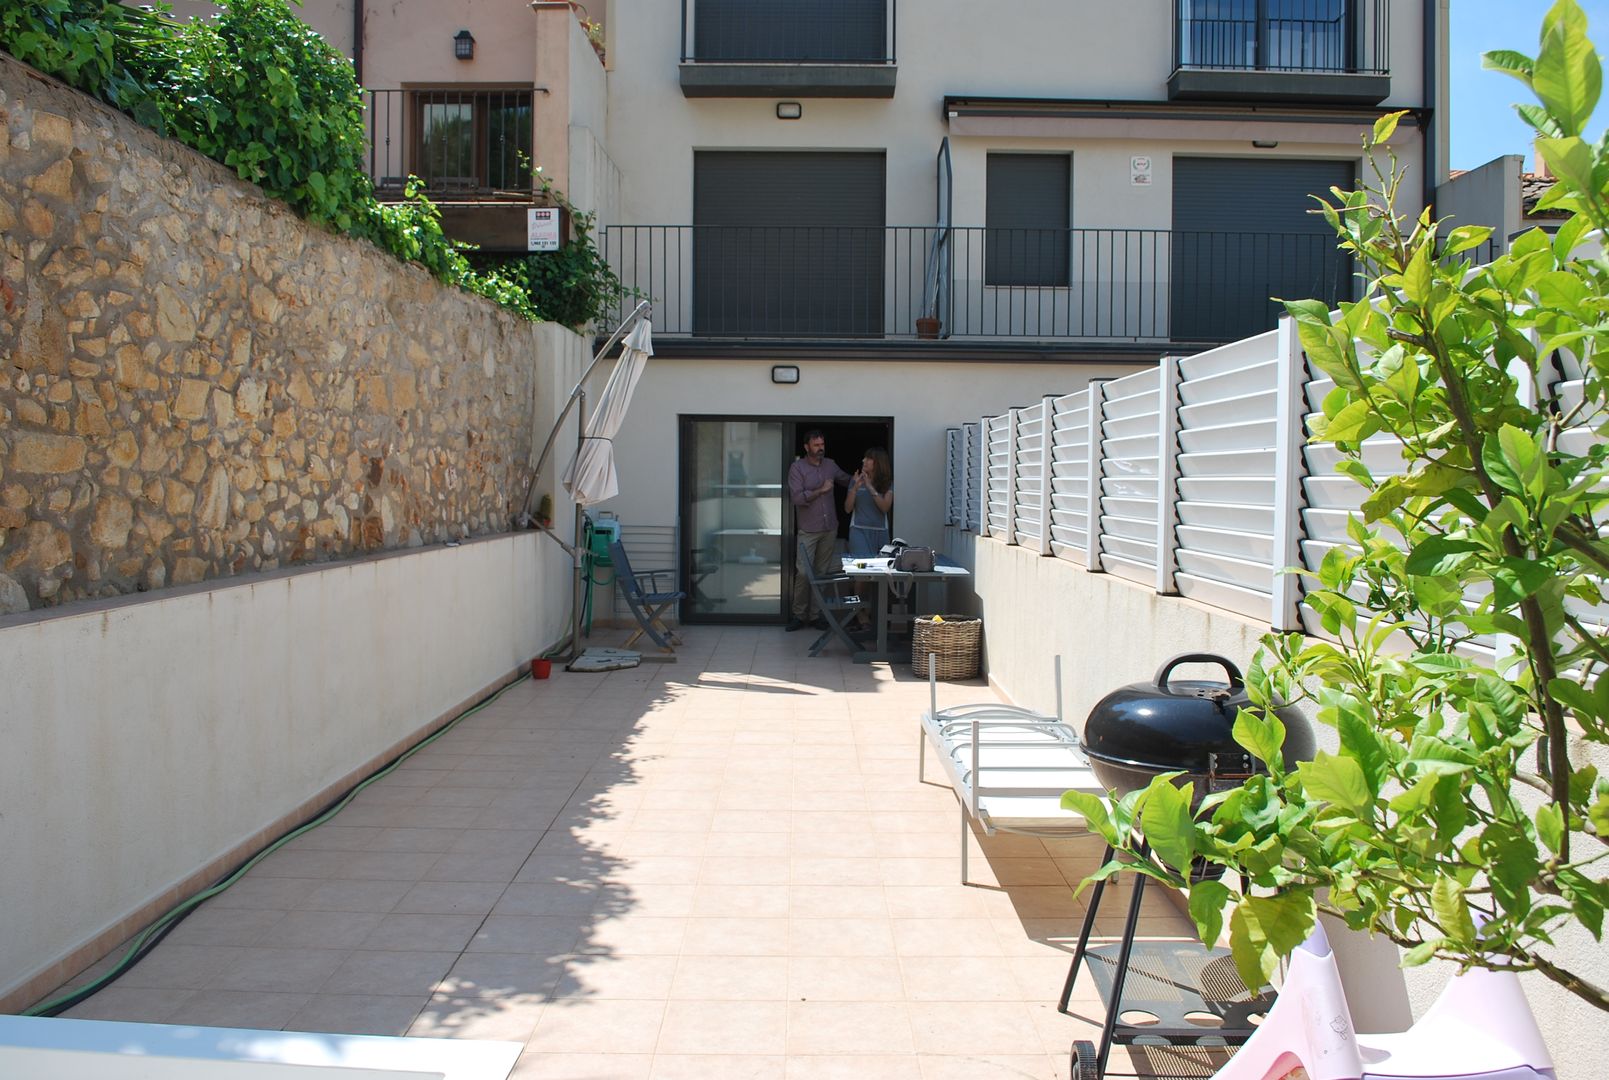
column 540, row 668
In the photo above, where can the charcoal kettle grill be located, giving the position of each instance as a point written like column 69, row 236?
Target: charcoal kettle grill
column 1189, row 994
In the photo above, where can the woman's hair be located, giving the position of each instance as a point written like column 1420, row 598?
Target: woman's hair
column 885, row 469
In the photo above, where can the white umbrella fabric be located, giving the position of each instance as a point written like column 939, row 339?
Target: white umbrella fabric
column 591, row 477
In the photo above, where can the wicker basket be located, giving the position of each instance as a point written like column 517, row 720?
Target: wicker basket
column 953, row 641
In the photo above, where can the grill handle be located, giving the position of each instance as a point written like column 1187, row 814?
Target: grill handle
column 1235, row 681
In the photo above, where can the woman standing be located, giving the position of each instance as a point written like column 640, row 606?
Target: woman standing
column 870, row 498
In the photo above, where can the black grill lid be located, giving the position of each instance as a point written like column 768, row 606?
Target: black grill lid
column 1169, row 723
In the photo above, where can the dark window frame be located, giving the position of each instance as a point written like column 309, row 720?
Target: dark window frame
column 485, row 174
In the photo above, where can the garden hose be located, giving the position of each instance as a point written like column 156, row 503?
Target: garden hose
column 153, row 934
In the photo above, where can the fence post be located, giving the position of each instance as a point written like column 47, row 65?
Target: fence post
column 1092, row 532
column 1290, row 435
column 1011, row 475
column 1167, row 516
column 1047, row 437
column 985, row 438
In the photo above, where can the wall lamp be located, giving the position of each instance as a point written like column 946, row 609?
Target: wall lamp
column 464, row 45
column 785, row 373
column 789, row 110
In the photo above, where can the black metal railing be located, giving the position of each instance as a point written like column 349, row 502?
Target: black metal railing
column 459, row 143
column 832, row 282
column 1346, row 36
column 789, row 31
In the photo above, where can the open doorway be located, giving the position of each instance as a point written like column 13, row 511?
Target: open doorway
column 738, row 532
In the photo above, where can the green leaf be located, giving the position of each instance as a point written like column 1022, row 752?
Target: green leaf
column 1416, row 276
column 1440, row 555
column 1337, row 780
column 1569, row 159
column 1422, row 953
column 1165, row 820
column 1452, row 913
column 1207, row 901
column 1465, row 237
column 1092, row 808
column 1550, row 826
column 1264, row 929
column 1385, row 126
column 1261, row 733
column 1566, row 75
column 1509, row 62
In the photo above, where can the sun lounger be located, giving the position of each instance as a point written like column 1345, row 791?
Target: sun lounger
column 1008, row 765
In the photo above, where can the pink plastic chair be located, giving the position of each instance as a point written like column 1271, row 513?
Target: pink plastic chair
column 1480, row 1028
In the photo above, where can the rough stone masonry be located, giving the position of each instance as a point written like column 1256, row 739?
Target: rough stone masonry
column 195, row 383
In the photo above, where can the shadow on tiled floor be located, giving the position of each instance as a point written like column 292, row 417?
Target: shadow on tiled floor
column 722, row 867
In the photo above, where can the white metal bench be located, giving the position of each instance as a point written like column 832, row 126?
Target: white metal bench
column 1008, row 765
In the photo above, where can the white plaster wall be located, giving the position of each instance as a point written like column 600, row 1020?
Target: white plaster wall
column 923, row 398
column 1110, row 632
column 145, row 737
column 1489, row 195
column 1030, row 48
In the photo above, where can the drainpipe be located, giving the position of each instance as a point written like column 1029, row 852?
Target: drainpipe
column 357, row 39
column 1431, row 111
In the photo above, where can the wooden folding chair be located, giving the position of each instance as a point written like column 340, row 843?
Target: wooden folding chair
column 835, row 605
column 648, row 605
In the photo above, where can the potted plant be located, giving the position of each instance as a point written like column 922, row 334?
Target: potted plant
column 1460, row 816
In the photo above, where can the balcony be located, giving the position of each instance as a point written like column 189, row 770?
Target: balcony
column 470, row 149
column 1078, row 287
column 1313, row 51
column 778, row 48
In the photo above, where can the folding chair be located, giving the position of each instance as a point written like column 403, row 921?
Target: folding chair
column 648, row 605
column 833, row 602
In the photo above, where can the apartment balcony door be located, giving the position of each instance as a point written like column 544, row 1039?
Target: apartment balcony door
column 788, row 244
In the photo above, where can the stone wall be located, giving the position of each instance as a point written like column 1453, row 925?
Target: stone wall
column 195, row 383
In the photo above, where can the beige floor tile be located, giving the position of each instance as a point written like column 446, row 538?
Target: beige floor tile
column 506, row 975
column 266, row 892
column 279, row 969
column 356, row 1014
column 844, row 978
column 942, row 902
column 836, row 871
column 840, row 937
column 175, row 966
column 477, row 1017
column 418, row 840
column 736, row 937
column 745, row 870
column 538, row 1066
column 321, row 929
column 450, row 898
column 992, row 1067
column 979, row 1028
column 596, row 1027
column 837, row 902
column 724, row 1027
column 718, row 1067
column 382, row 972
column 854, row 1067
column 133, row 1004
column 551, row 899
column 848, row 1028
column 731, row 978
column 632, row 935
column 826, row 845
column 372, row 896
column 263, row 1009
column 945, row 937
column 423, row 933
column 754, row 901
column 623, row 978
column 961, row 979
column 209, row 925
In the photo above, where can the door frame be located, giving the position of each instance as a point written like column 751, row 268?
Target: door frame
column 793, row 425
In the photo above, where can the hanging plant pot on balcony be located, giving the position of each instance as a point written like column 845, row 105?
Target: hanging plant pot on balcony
column 927, row 328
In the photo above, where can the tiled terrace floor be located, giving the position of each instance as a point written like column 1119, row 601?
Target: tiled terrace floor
column 723, row 867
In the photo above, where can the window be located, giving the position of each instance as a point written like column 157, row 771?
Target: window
column 1028, row 211
column 473, row 140
column 1286, row 35
column 791, row 31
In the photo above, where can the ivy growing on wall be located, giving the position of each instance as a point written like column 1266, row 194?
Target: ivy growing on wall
column 256, row 89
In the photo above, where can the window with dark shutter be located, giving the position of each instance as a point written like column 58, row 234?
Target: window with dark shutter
column 1028, row 211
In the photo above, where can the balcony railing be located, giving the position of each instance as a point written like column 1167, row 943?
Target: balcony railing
column 788, row 31
column 1094, row 285
column 460, row 143
column 1335, row 36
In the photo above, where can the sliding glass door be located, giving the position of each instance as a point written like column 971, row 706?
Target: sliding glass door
column 734, row 521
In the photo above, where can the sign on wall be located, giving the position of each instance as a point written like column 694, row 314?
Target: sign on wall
column 542, row 228
column 1140, row 171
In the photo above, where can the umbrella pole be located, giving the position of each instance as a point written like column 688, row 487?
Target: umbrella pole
column 577, row 555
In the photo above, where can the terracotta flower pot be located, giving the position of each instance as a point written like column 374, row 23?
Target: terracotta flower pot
column 540, row 668
column 927, row 328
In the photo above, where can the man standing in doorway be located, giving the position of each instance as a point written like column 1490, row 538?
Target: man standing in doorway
column 810, row 488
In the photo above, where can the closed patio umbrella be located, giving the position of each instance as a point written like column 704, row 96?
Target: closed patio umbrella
column 591, row 477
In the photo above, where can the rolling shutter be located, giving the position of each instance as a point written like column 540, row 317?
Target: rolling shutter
column 1242, row 233
column 788, row 244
